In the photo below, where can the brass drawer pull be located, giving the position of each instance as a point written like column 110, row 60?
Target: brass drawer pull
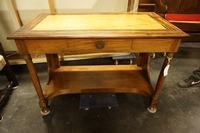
column 100, row 44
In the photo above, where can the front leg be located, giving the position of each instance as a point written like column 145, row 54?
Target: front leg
column 160, row 81
column 43, row 103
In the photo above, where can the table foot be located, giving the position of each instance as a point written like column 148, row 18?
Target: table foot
column 15, row 87
column 45, row 111
column 152, row 110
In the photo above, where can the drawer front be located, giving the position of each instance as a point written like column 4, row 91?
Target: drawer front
column 45, row 46
column 79, row 46
column 98, row 45
column 122, row 45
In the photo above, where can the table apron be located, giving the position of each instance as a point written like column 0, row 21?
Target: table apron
column 77, row 46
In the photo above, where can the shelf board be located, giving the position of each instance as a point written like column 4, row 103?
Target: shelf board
column 147, row 4
column 113, row 79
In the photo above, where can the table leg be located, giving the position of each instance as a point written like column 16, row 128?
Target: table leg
column 160, row 81
column 53, row 63
column 143, row 62
column 43, row 103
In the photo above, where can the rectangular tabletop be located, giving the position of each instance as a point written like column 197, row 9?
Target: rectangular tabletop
column 99, row 22
column 98, row 25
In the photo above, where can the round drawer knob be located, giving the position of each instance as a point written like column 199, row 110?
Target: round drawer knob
column 100, row 44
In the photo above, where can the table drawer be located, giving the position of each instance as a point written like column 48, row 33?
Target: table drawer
column 78, row 45
column 98, row 45
column 122, row 45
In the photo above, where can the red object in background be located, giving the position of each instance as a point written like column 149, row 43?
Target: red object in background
column 183, row 17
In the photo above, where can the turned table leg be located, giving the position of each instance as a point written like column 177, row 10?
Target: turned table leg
column 160, row 81
column 43, row 103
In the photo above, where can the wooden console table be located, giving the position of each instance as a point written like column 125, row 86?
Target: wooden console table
column 77, row 33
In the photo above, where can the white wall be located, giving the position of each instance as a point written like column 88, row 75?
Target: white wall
column 6, row 27
column 28, row 9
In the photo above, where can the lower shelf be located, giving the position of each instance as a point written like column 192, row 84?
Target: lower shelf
column 99, row 79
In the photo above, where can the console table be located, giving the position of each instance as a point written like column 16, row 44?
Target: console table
column 78, row 33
